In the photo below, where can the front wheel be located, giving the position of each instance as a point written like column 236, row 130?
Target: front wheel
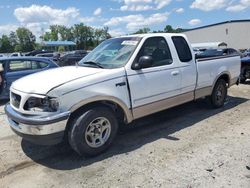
column 93, row 131
column 219, row 94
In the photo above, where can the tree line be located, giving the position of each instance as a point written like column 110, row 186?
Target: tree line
column 23, row 40
column 167, row 29
column 85, row 37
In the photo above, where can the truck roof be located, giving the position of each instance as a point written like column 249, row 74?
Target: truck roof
column 153, row 34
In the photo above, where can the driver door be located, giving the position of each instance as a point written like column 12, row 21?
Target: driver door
column 154, row 88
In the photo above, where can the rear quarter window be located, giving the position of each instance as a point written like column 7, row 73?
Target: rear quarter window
column 182, row 49
column 43, row 65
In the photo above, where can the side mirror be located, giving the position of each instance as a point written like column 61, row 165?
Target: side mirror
column 144, row 62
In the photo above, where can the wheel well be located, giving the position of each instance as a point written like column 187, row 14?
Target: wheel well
column 224, row 77
column 118, row 111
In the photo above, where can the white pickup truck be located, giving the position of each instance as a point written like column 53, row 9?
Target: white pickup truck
column 121, row 80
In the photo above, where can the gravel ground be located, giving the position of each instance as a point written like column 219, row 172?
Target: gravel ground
column 188, row 146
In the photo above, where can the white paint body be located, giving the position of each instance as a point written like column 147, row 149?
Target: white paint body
column 77, row 86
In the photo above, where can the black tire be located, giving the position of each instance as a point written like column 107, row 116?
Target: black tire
column 78, row 130
column 243, row 79
column 219, row 94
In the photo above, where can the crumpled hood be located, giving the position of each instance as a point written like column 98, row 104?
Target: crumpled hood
column 43, row 82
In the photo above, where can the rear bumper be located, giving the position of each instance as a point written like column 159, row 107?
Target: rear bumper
column 39, row 130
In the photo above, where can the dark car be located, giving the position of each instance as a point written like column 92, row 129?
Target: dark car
column 17, row 67
column 245, row 69
column 217, row 52
column 247, row 53
column 40, row 51
column 72, row 58
column 53, row 56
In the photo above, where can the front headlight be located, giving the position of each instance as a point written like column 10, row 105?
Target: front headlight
column 46, row 104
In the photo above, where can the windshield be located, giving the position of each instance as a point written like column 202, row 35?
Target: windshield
column 112, row 53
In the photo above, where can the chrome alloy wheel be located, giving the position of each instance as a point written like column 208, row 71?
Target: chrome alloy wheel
column 98, row 132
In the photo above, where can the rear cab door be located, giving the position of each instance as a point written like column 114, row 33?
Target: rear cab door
column 187, row 65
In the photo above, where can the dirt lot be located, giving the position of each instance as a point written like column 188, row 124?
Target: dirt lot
column 188, row 146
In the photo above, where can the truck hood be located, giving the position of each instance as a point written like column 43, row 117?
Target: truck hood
column 43, row 82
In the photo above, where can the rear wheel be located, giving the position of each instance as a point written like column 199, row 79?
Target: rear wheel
column 93, row 131
column 219, row 94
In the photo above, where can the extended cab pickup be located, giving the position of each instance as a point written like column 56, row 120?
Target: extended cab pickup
column 121, row 80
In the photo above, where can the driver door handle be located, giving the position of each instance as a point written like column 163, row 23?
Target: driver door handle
column 175, row 73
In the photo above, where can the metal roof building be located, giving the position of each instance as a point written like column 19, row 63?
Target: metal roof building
column 235, row 33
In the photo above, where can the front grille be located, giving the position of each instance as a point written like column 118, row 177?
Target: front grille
column 15, row 99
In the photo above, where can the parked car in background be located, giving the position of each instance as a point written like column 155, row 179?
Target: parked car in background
column 245, row 69
column 16, row 54
column 17, row 67
column 53, row 56
column 39, row 51
column 247, row 53
column 198, row 50
column 218, row 52
column 72, row 58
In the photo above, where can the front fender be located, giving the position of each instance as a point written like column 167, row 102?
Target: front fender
column 127, row 112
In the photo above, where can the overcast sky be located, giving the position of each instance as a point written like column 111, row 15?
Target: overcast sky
column 121, row 16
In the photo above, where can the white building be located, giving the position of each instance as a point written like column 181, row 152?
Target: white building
column 235, row 33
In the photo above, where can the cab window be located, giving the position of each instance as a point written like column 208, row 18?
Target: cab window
column 158, row 49
column 182, row 49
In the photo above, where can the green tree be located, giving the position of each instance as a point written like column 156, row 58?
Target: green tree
column 143, row 30
column 61, row 49
column 13, row 39
column 25, row 39
column 5, row 44
column 86, row 37
column 54, row 31
column 101, row 35
column 18, row 48
column 46, row 36
column 179, row 30
column 106, row 34
column 58, row 32
column 65, row 33
column 83, row 36
column 169, row 29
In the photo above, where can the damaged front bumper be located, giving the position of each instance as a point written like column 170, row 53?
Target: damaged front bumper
column 36, row 129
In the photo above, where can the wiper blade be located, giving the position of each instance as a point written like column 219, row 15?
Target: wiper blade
column 93, row 63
